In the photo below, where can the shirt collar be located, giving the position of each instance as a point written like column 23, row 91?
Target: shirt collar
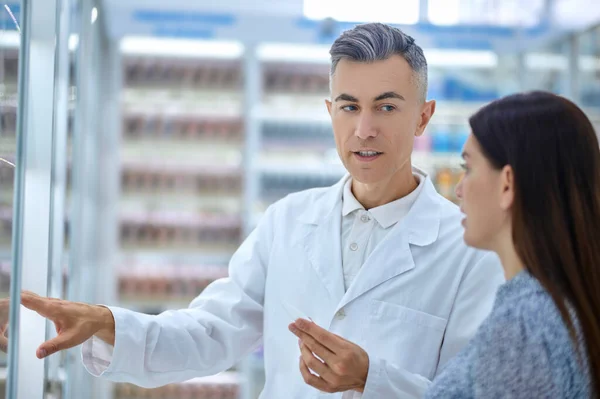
column 349, row 201
column 388, row 214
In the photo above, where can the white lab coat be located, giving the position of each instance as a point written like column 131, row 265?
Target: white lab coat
column 417, row 300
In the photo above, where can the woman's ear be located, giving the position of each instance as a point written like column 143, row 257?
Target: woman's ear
column 507, row 189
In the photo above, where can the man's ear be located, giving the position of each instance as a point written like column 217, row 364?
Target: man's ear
column 328, row 104
column 427, row 111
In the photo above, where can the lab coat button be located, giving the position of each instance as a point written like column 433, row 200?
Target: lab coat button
column 365, row 218
column 353, row 246
column 340, row 314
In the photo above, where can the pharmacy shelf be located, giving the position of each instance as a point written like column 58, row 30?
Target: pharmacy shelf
column 181, row 219
column 216, row 104
column 218, row 127
column 142, row 292
column 277, row 183
column 285, row 77
column 183, row 200
column 290, row 110
column 155, row 73
column 301, row 136
column 153, row 287
column 152, row 183
column 166, row 219
column 182, row 186
column 181, row 195
column 177, row 168
column 177, row 231
column 193, row 154
column 138, row 118
column 180, row 257
column 225, row 385
column 188, row 232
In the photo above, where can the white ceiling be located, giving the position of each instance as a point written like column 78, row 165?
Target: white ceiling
column 579, row 12
column 564, row 14
column 121, row 21
column 576, row 14
column 270, row 7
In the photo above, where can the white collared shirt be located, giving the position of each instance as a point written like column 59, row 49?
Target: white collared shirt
column 363, row 230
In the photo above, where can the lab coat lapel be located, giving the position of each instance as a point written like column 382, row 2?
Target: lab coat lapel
column 390, row 258
column 393, row 257
column 322, row 243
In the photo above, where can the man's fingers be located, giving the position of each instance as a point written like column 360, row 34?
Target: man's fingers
column 312, row 379
column 61, row 342
column 36, row 303
column 313, row 363
column 315, row 347
column 29, row 295
column 329, row 340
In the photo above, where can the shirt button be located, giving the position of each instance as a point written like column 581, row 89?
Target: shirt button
column 353, row 246
column 365, row 218
column 340, row 314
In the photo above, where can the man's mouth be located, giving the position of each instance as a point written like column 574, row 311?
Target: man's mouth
column 368, row 153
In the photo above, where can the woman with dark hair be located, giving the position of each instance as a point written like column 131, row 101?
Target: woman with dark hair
column 531, row 193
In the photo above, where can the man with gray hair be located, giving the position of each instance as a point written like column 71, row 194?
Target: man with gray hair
column 363, row 289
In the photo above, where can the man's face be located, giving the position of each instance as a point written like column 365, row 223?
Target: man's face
column 376, row 111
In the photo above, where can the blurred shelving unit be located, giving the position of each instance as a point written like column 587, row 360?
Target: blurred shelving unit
column 181, row 154
column 223, row 386
column 9, row 64
column 182, row 184
column 9, row 61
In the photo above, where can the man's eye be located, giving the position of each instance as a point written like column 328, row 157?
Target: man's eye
column 388, row 108
column 349, row 108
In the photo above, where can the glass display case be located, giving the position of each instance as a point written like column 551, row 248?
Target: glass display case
column 47, row 94
column 9, row 72
column 27, row 134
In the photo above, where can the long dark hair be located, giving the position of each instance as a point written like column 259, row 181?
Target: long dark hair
column 553, row 150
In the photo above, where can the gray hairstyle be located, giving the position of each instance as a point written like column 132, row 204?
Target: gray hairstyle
column 377, row 42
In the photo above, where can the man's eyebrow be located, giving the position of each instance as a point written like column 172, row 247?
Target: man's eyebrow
column 346, row 97
column 389, row 94
column 382, row 96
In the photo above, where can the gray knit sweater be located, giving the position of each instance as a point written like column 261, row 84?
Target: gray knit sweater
column 523, row 350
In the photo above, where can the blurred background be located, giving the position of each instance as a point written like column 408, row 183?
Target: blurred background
column 142, row 140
